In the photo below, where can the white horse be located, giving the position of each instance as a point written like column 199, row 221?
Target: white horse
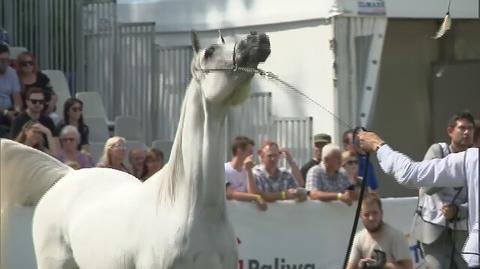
column 107, row 219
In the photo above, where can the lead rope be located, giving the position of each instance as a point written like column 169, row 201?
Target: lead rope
column 272, row 76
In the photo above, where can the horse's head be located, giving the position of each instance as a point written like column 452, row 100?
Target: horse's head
column 215, row 68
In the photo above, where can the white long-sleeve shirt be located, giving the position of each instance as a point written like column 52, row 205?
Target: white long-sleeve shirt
column 455, row 170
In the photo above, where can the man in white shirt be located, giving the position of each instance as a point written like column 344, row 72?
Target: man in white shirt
column 455, row 170
column 236, row 175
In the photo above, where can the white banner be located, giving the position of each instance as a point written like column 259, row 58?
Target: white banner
column 304, row 236
column 288, row 235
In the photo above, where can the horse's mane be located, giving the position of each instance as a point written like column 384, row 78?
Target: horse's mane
column 174, row 170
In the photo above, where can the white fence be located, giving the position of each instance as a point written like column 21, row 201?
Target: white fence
column 287, row 233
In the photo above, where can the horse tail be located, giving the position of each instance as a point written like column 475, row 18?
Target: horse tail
column 26, row 173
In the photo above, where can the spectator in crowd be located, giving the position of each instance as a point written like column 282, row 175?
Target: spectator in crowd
column 9, row 91
column 319, row 141
column 136, row 159
column 31, row 77
column 440, row 221
column 325, row 182
column 350, row 167
column 152, row 164
column 378, row 237
column 113, row 154
column 362, row 160
column 33, row 134
column 236, row 179
column 476, row 134
column 274, row 183
column 35, row 101
column 69, row 139
column 73, row 115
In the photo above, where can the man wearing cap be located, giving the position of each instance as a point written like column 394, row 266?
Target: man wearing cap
column 319, row 141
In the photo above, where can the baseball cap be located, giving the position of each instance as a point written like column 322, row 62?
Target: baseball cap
column 322, row 138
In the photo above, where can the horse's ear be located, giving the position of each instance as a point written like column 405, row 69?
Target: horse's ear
column 221, row 40
column 195, row 42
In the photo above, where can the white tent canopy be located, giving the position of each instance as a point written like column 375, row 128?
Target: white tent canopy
column 174, row 15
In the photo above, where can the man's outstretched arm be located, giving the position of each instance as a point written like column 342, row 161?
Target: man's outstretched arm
column 448, row 172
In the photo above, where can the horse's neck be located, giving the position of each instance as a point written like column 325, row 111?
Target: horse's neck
column 195, row 170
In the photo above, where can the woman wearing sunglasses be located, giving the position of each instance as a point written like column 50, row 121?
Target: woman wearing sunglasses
column 114, row 153
column 69, row 153
column 350, row 168
column 30, row 76
column 72, row 115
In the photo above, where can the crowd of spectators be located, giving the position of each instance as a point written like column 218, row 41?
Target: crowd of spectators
column 331, row 175
column 29, row 110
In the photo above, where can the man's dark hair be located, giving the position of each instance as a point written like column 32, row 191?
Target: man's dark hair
column 465, row 115
column 372, row 198
column 4, row 48
column 33, row 90
column 241, row 142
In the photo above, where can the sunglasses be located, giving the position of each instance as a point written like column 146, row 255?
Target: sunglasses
column 77, row 109
column 351, row 162
column 37, row 101
column 68, row 139
column 123, row 147
column 26, row 63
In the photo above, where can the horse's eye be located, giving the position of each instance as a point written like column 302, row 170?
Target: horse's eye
column 209, row 52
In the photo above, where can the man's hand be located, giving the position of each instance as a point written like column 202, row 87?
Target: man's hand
column 369, row 141
column 286, row 154
column 248, row 162
column 367, row 261
column 261, row 204
column 347, row 197
column 449, row 211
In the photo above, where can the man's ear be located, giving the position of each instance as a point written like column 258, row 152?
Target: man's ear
column 449, row 130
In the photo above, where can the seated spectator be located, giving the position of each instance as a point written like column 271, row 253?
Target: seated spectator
column 325, row 182
column 113, row 154
column 378, row 239
column 69, row 138
column 32, row 135
column 236, row 180
column 31, row 77
column 319, row 141
column 136, row 159
column 274, row 183
column 9, row 91
column 362, row 160
column 35, row 102
column 73, row 115
column 350, row 167
column 152, row 164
